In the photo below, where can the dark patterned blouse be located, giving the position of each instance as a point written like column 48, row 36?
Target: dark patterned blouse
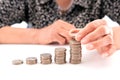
column 41, row 13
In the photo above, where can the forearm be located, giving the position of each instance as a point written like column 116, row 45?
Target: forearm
column 116, row 36
column 17, row 35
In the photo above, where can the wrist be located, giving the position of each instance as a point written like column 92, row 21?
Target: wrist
column 33, row 36
column 116, row 36
column 42, row 36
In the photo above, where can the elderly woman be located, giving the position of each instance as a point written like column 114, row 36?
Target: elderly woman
column 51, row 20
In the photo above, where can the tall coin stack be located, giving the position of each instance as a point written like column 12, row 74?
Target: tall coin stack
column 45, row 58
column 75, row 52
column 60, row 55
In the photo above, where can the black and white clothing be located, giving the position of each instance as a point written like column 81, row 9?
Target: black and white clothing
column 41, row 13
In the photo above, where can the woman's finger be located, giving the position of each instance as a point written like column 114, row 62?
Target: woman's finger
column 104, row 41
column 106, row 50
column 96, row 34
column 90, row 27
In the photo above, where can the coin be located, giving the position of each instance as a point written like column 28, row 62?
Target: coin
column 46, row 62
column 60, row 49
column 75, row 61
column 74, row 42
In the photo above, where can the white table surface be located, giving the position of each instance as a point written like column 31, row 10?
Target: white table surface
column 93, row 66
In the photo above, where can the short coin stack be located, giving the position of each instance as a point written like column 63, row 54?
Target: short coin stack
column 46, row 58
column 75, row 52
column 60, row 55
column 31, row 60
column 17, row 62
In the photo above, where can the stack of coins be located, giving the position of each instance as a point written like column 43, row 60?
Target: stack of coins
column 46, row 58
column 17, row 62
column 75, row 52
column 60, row 55
column 31, row 60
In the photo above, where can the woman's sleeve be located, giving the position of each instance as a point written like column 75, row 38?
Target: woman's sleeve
column 111, row 8
column 11, row 12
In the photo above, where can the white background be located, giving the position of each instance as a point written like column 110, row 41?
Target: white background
column 93, row 66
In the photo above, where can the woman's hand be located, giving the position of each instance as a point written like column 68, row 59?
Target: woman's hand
column 97, row 35
column 56, row 32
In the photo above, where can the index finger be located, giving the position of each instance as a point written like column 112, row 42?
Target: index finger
column 89, row 28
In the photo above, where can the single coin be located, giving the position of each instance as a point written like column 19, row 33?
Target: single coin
column 60, row 49
column 74, row 42
column 75, row 61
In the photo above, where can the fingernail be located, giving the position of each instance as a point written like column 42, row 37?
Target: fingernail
column 105, row 55
column 89, row 46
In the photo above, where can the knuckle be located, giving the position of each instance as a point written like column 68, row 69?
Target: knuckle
column 59, row 20
column 91, row 24
column 102, row 30
column 109, row 38
column 55, row 28
column 100, row 22
column 53, row 32
column 96, row 43
column 97, row 23
column 89, row 38
column 107, row 30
